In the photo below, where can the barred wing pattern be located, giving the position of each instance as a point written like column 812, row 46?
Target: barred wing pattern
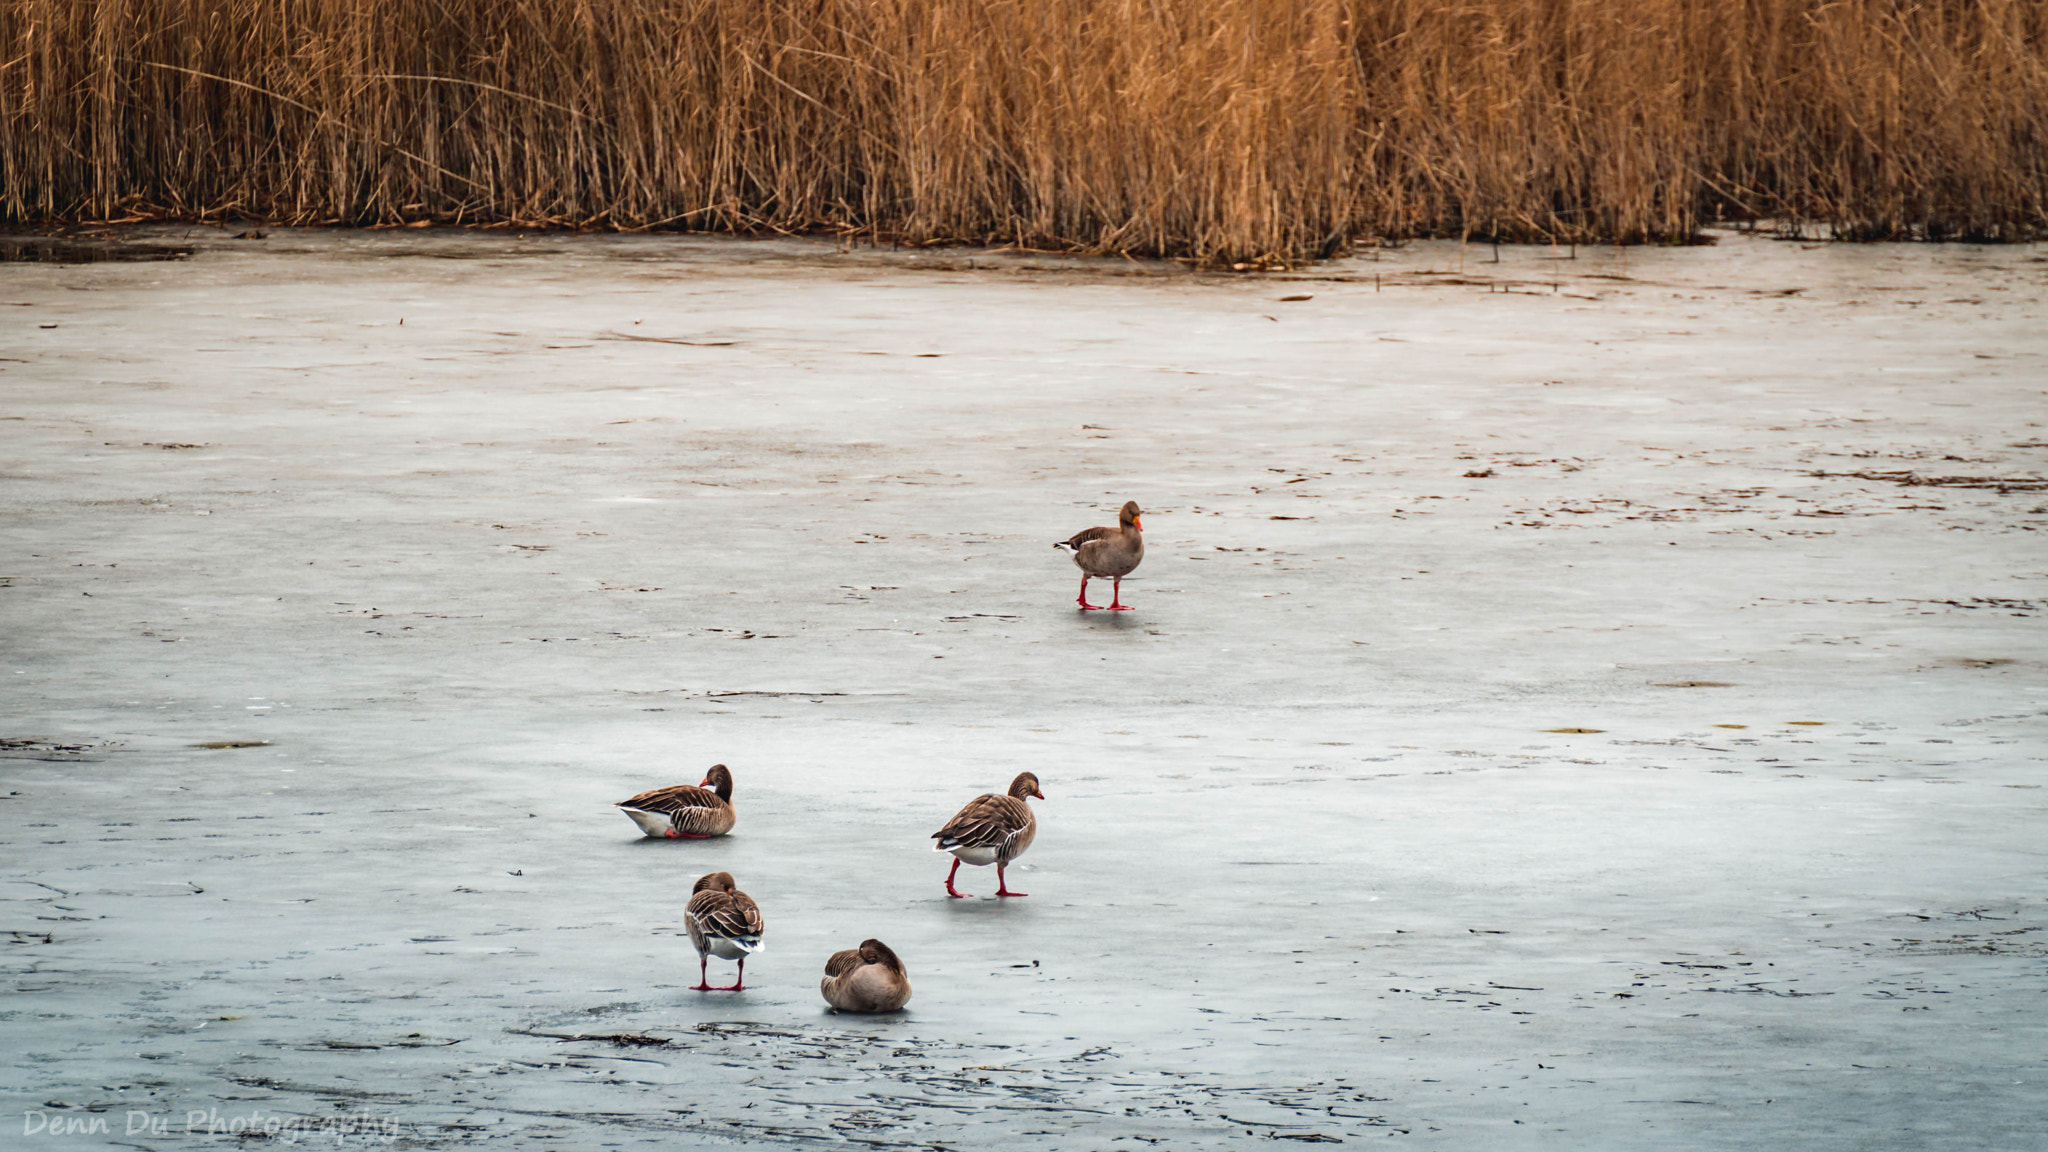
column 1003, row 823
column 733, row 915
column 691, row 810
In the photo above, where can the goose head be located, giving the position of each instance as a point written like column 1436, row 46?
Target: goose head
column 876, row 952
column 715, row 882
column 719, row 780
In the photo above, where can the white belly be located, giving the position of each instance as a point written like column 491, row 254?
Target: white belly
column 979, row 857
column 728, row 949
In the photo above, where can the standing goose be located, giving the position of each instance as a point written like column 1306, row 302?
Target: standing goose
column 723, row 922
column 865, row 979
column 686, row 811
column 992, row 829
column 1108, row 553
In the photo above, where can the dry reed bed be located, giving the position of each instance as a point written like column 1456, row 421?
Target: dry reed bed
column 1219, row 129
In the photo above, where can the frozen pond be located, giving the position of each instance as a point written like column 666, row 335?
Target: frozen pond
column 1652, row 637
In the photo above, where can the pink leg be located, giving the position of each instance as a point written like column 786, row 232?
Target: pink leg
column 1082, row 599
column 739, row 982
column 703, row 980
column 672, row 834
column 955, row 893
column 1116, row 595
column 1003, row 886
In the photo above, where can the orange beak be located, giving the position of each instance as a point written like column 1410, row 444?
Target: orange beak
column 1138, row 522
column 1040, row 795
column 704, row 783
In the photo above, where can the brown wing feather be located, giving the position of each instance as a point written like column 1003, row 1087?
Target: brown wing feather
column 845, row 960
column 691, row 810
column 750, row 913
column 728, row 914
column 1086, row 534
column 670, row 800
column 987, row 822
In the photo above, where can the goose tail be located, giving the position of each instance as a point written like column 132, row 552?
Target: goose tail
column 651, row 823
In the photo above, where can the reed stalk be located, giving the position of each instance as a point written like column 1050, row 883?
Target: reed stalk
column 1223, row 130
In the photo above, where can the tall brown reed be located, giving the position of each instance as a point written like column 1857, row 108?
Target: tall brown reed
column 1220, row 129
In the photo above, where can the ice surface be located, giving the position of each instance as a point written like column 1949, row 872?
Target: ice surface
column 1651, row 635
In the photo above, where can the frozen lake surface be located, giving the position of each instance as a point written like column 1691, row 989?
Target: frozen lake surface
column 1654, row 637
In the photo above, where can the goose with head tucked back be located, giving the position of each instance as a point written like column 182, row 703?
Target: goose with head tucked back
column 992, row 829
column 1108, row 553
column 723, row 922
column 686, row 811
column 865, row 979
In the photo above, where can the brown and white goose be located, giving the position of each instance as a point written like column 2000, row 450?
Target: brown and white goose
column 723, row 922
column 1108, row 554
column 865, row 979
column 992, row 829
column 686, row 811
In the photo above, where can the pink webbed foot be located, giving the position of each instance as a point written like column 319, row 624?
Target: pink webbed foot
column 1003, row 886
column 672, row 834
column 955, row 893
column 1116, row 598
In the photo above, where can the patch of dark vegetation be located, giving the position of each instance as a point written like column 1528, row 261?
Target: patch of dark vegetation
column 41, row 748
column 1999, row 484
column 69, row 250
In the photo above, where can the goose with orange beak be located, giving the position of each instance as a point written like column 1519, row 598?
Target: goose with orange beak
column 992, row 829
column 1108, row 554
column 686, row 811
